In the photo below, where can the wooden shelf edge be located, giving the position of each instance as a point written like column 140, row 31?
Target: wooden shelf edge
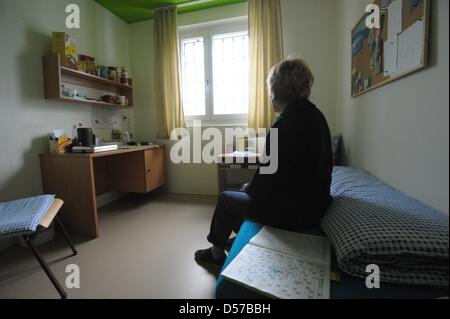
column 90, row 77
column 95, row 103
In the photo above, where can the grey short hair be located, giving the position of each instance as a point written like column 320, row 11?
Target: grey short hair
column 290, row 81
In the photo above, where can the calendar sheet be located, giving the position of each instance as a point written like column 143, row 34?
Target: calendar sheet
column 281, row 274
column 106, row 118
column 313, row 248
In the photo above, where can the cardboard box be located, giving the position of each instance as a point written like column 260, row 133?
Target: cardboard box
column 60, row 145
column 64, row 44
column 87, row 64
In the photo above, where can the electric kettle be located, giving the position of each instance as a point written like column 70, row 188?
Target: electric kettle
column 86, row 137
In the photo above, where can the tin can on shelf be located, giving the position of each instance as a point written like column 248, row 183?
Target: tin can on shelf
column 124, row 75
column 112, row 73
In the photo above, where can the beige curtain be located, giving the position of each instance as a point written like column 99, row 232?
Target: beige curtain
column 169, row 110
column 266, row 49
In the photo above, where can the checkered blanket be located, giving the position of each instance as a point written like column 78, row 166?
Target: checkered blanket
column 372, row 223
column 21, row 217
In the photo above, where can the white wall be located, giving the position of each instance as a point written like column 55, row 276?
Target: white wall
column 399, row 132
column 308, row 29
column 26, row 118
column 309, row 33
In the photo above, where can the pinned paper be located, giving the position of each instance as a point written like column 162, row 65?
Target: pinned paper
column 395, row 19
column 390, row 57
column 410, row 44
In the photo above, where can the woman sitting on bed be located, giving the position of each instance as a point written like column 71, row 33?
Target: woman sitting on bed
column 297, row 195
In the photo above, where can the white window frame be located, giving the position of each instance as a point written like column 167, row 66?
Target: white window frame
column 207, row 31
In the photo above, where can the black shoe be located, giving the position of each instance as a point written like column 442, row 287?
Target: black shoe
column 205, row 258
column 229, row 244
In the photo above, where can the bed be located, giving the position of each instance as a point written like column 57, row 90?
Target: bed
column 358, row 196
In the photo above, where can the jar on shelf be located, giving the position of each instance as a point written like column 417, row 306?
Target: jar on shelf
column 122, row 100
column 112, row 71
column 124, row 75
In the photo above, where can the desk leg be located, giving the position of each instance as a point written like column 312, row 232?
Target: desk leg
column 222, row 178
column 226, row 183
column 72, row 180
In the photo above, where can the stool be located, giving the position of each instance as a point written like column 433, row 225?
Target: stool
column 17, row 218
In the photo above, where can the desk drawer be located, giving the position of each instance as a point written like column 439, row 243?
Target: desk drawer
column 126, row 173
column 155, row 168
column 137, row 172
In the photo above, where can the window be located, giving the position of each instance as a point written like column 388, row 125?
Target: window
column 193, row 77
column 215, row 71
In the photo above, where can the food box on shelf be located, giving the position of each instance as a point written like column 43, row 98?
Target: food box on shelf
column 87, row 64
column 64, row 45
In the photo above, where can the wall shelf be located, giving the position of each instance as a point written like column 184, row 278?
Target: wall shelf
column 56, row 75
column 89, row 102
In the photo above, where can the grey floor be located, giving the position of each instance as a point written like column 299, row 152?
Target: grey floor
column 145, row 250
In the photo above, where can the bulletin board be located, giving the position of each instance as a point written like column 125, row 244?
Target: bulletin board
column 398, row 48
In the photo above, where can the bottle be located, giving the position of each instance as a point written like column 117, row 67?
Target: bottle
column 126, row 137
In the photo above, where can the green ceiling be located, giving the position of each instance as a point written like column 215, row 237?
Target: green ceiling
column 139, row 10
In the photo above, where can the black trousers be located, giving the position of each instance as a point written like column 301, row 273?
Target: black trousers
column 231, row 209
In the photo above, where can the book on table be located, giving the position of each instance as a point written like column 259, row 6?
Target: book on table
column 283, row 264
column 95, row 149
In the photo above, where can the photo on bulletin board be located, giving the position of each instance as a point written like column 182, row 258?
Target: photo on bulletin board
column 398, row 48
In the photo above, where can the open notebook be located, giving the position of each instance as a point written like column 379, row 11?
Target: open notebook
column 282, row 264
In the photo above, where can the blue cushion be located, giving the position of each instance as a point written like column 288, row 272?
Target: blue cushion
column 226, row 289
column 21, row 217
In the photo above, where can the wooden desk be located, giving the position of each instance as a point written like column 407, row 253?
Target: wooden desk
column 243, row 167
column 79, row 178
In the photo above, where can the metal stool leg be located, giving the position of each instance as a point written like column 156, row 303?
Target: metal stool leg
column 46, row 268
column 66, row 236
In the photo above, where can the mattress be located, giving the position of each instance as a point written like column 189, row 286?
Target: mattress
column 369, row 222
column 349, row 287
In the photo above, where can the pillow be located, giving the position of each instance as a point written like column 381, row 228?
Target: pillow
column 336, row 145
column 369, row 222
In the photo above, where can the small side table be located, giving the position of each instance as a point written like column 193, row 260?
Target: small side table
column 236, row 169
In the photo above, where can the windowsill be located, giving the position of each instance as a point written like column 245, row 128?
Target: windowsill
column 219, row 123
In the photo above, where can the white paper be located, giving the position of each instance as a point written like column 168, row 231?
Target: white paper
column 366, row 84
column 284, row 264
column 279, row 275
column 313, row 248
column 395, row 19
column 410, row 44
column 390, row 57
column 106, row 118
column 57, row 133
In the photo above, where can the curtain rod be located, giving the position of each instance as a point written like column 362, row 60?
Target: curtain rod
column 187, row 4
column 183, row 5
